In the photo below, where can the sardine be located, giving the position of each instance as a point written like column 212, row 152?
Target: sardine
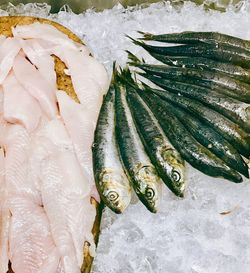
column 228, row 129
column 237, row 111
column 111, row 181
column 189, row 148
column 164, row 156
column 191, row 37
column 141, row 172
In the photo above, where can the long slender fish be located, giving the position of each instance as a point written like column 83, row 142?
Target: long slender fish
column 209, row 138
column 189, row 148
column 237, row 111
column 217, row 52
column 111, row 181
column 228, row 129
column 143, row 175
column 217, row 81
column 233, row 71
column 191, row 37
column 164, row 156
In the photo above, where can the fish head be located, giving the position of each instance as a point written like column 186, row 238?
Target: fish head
column 115, row 190
column 147, row 185
column 177, row 173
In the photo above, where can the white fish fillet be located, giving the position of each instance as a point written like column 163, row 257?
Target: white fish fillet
column 32, row 249
column 31, row 79
column 41, row 59
column 65, row 194
column 89, row 78
column 80, row 125
column 30, row 239
column 46, row 32
column 9, row 48
column 19, row 106
column 4, row 217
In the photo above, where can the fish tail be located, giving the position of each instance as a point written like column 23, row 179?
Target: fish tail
column 146, row 35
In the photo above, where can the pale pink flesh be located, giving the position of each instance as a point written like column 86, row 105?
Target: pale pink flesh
column 19, row 104
column 30, row 240
column 65, row 193
column 45, row 32
column 88, row 86
column 9, row 48
column 4, row 217
column 80, row 125
column 49, row 179
column 41, row 59
column 31, row 79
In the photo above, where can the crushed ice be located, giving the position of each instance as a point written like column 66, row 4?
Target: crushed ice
column 209, row 230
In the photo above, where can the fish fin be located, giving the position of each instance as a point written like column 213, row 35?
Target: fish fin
column 139, row 43
column 146, row 35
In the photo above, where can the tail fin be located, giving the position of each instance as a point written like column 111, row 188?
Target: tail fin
column 139, row 43
column 146, row 36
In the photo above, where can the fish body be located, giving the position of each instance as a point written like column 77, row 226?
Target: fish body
column 140, row 170
column 209, row 138
column 189, row 148
column 215, row 52
column 219, row 82
column 165, row 157
column 191, row 37
column 111, row 181
column 229, row 130
column 235, row 110
column 233, row 71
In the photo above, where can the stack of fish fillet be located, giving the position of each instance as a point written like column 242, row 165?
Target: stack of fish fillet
column 196, row 109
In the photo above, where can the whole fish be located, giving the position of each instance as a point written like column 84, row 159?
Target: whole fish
column 209, row 138
column 111, row 181
column 228, row 129
column 191, row 37
column 233, row 71
column 217, row 52
column 237, row 111
column 217, row 81
column 189, row 148
column 164, row 156
column 140, row 170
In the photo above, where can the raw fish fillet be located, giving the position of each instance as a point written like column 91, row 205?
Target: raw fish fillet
column 45, row 32
column 9, row 48
column 89, row 78
column 4, row 218
column 80, row 124
column 19, row 106
column 31, row 79
column 66, row 195
column 41, row 59
column 30, row 242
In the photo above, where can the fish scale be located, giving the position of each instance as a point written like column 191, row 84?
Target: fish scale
column 141, row 172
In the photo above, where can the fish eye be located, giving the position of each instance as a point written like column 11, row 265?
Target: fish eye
column 113, row 196
column 176, row 176
column 150, row 193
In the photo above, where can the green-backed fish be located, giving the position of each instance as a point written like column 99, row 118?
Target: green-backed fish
column 233, row 71
column 190, row 149
column 219, row 52
column 209, row 138
column 192, row 37
column 235, row 110
column 111, row 181
column 164, row 156
column 218, row 81
column 141, row 172
column 228, row 129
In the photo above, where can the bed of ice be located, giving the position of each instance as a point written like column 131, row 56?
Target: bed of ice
column 209, row 230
